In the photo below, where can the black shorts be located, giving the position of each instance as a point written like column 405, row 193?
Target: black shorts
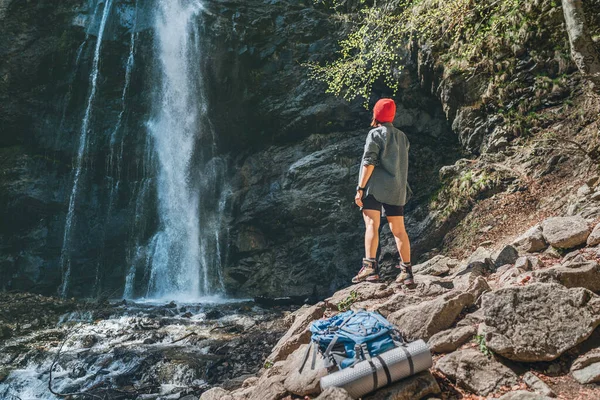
column 371, row 203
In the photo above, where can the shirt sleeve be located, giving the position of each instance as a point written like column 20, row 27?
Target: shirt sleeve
column 373, row 147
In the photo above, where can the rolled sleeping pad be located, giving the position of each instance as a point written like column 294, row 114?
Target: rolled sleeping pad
column 391, row 366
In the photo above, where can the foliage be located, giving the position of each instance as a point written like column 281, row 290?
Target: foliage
column 383, row 31
column 345, row 304
column 268, row 364
column 480, row 340
column 462, row 191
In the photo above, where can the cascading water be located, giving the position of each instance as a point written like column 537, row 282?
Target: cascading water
column 116, row 146
column 185, row 253
column 65, row 256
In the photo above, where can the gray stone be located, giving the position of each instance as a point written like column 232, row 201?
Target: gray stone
column 524, row 395
column 506, row 255
column 594, row 237
column 334, row 393
column 531, row 241
column 395, row 303
column 216, row 393
column 584, row 274
column 481, row 256
column 415, row 387
column 437, row 266
column 424, row 320
column 364, row 291
column 538, row 322
column 565, row 232
column 583, row 191
column 476, row 372
column 298, row 333
column 537, row 385
column 431, row 286
column 586, row 368
column 474, row 319
column 523, row 264
column 451, row 339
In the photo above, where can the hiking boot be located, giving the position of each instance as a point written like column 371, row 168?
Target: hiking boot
column 406, row 275
column 369, row 272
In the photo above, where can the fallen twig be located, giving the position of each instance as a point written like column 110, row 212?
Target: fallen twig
column 185, row 337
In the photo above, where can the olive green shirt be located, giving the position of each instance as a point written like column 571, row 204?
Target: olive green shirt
column 387, row 149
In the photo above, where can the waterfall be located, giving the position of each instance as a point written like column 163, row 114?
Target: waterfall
column 115, row 154
column 185, row 252
column 65, row 256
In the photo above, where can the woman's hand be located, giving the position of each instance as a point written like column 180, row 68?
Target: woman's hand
column 358, row 198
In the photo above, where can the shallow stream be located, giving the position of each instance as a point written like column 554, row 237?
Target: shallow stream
column 146, row 350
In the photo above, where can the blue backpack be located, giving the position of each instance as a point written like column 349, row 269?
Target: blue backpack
column 350, row 337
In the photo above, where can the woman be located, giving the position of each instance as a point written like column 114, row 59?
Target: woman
column 382, row 184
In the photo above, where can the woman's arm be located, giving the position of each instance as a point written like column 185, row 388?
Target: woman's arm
column 365, row 175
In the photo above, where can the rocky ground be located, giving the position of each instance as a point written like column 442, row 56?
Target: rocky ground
column 512, row 321
column 128, row 350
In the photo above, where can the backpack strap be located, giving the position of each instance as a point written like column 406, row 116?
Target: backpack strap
column 385, row 369
column 365, row 351
column 374, row 371
column 345, row 321
column 330, row 361
column 409, row 358
column 314, row 357
column 305, row 358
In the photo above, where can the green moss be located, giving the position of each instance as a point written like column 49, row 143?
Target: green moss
column 462, row 191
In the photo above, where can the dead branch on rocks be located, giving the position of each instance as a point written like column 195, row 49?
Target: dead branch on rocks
column 185, row 337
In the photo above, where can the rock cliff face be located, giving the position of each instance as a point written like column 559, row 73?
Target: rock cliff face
column 293, row 150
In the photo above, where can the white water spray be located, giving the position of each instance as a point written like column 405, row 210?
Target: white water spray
column 176, row 267
column 65, row 256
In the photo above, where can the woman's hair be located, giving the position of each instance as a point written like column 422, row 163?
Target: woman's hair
column 375, row 123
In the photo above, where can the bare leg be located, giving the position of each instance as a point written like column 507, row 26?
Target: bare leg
column 401, row 237
column 372, row 220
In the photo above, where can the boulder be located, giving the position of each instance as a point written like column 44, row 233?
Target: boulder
column 506, row 255
column 424, row 320
column 585, row 274
column 415, row 387
column 509, row 277
column 431, row 286
column 537, row 385
column 531, row 241
column 482, row 256
column 267, row 388
column 364, row 291
column 538, row 322
column 476, row 372
column 565, row 232
column 594, row 237
column 586, row 368
column 298, row 332
column 467, row 274
column 216, row 393
column 334, row 393
column 523, row 264
column 524, row 395
column 395, row 303
column 451, row 339
column 437, row 266
column 474, row 319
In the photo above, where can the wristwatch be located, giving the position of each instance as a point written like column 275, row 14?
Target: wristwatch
column 359, row 188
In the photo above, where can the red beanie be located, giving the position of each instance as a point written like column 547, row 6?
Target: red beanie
column 384, row 110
